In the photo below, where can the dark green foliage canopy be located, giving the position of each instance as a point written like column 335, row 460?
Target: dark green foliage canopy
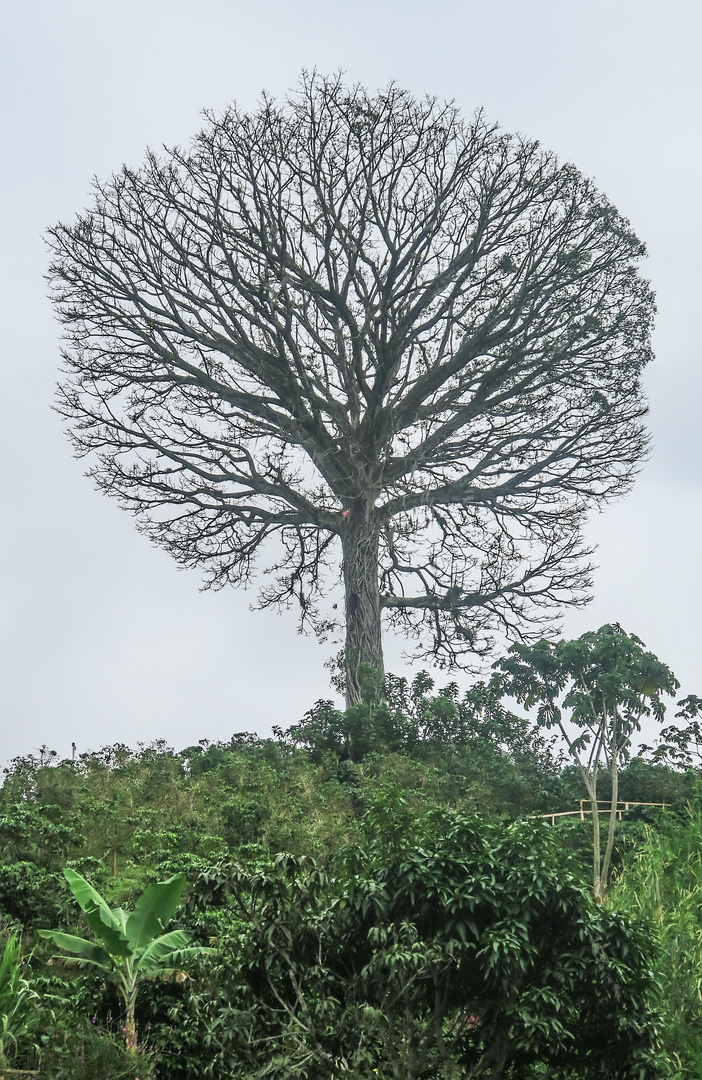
column 444, row 947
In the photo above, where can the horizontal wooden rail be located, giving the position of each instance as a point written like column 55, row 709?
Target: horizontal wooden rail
column 582, row 813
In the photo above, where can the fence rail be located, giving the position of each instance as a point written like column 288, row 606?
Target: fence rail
column 582, row 813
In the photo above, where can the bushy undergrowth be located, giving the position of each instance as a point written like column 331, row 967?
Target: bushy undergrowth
column 326, row 788
column 661, row 885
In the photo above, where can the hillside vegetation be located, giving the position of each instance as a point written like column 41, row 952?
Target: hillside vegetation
column 343, row 872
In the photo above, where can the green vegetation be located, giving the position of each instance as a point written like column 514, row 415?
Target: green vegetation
column 371, row 893
column 17, row 1001
column 131, row 948
column 607, row 682
column 445, row 947
column 662, row 888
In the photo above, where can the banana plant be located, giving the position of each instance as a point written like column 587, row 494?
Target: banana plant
column 132, row 945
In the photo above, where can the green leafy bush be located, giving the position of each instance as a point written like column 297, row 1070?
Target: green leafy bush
column 132, row 946
column 442, row 946
column 80, row 1050
column 662, row 884
column 29, row 894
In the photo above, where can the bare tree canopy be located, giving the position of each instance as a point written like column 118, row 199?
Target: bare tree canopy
column 387, row 340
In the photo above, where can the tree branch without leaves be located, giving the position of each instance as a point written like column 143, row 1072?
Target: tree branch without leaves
column 356, row 312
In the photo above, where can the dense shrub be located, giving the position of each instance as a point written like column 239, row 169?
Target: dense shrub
column 434, row 924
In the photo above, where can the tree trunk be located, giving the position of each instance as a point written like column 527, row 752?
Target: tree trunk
column 364, row 646
column 591, row 786
column 130, row 1022
column 612, row 823
column 596, row 877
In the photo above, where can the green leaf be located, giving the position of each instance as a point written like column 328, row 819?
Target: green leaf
column 162, row 947
column 91, row 953
column 154, row 908
column 172, row 961
column 168, row 952
column 105, row 924
column 87, row 896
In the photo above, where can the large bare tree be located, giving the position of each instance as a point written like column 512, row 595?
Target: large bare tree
column 376, row 337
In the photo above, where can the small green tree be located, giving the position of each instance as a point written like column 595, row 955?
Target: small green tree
column 595, row 690
column 133, row 946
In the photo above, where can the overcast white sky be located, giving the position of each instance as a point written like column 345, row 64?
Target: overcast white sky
column 102, row 639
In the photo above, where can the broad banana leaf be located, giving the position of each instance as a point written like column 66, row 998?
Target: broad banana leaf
column 154, row 908
column 162, row 947
column 91, row 954
column 107, row 925
column 121, row 918
column 114, row 937
column 86, row 895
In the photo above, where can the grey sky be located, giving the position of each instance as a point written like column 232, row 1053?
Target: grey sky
column 102, row 639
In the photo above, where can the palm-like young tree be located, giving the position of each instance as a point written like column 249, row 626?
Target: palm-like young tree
column 133, row 946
